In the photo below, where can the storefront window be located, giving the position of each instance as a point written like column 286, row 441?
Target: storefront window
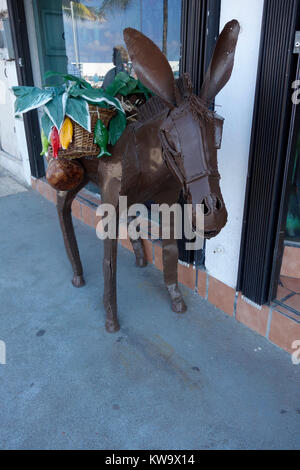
column 93, row 33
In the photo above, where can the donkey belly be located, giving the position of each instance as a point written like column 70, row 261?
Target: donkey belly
column 105, row 172
column 90, row 165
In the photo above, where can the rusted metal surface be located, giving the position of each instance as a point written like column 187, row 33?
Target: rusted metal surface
column 172, row 147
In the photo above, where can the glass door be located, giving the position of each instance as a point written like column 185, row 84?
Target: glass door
column 50, row 38
column 293, row 216
column 86, row 38
column 288, row 289
column 94, row 33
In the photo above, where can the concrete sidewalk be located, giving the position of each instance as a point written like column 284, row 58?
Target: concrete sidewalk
column 8, row 185
column 197, row 381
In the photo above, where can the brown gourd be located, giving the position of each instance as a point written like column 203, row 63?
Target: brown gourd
column 64, row 175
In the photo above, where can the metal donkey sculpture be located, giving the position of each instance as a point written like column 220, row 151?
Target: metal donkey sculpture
column 171, row 148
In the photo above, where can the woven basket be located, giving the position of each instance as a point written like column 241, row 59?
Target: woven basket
column 83, row 141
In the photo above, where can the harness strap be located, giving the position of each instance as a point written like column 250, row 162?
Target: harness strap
column 170, row 157
column 202, row 175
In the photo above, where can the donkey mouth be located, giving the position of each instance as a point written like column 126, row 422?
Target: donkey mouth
column 211, row 233
column 207, row 233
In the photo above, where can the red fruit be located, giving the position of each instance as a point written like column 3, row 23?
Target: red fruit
column 55, row 142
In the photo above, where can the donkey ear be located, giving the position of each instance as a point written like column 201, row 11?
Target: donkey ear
column 220, row 68
column 151, row 65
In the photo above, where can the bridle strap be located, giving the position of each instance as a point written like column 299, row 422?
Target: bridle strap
column 170, row 157
column 202, row 175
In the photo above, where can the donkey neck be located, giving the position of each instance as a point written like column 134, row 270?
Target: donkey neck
column 153, row 171
column 144, row 172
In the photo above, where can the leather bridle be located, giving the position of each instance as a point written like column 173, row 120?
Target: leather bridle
column 173, row 160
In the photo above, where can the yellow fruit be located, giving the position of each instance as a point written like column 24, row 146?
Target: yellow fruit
column 66, row 133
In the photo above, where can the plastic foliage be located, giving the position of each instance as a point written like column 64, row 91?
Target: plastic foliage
column 72, row 98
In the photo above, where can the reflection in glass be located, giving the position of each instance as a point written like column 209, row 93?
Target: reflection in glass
column 293, row 217
column 93, row 33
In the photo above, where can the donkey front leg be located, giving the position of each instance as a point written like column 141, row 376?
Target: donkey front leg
column 110, row 291
column 64, row 202
column 170, row 260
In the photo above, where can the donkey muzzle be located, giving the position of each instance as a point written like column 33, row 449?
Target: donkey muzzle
column 208, row 194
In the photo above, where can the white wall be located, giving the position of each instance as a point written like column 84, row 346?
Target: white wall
column 13, row 147
column 236, row 101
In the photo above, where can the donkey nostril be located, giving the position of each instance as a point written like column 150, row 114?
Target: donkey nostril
column 218, row 204
column 205, row 208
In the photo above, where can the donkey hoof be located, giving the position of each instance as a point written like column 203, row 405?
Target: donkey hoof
column 112, row 326
column 78, row 281
column 177, row 302
column 141, row 262
column 179, row 306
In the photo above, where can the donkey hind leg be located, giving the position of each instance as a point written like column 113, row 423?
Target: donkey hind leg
column 110, row 291
column 64, row 202
column 170, row 260
column 138, row 249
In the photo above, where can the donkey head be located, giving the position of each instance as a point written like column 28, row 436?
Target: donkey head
column 191, row 132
